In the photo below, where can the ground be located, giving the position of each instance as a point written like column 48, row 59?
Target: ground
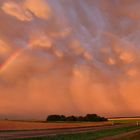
column 29, row 125
column 120, row 128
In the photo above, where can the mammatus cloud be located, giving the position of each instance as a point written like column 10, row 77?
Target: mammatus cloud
column 40, row 41
column 17, row 10
column 39, row 8
column 69, row 57
column 27, row 9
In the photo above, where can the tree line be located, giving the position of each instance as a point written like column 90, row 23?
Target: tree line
column 87, row 118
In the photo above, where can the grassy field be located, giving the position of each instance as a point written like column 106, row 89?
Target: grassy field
column 133, row 137
column 89, row 135
column 125, row 120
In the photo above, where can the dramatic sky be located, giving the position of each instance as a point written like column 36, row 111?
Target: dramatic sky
column 69, row 57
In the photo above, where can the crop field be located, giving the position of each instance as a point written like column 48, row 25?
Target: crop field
column 35, row 130
column 19, row 125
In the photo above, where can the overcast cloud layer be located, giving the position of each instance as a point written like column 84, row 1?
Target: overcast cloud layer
column 69, row 57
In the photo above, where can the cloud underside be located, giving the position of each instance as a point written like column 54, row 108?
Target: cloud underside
column 27, row 10
column 69, row 57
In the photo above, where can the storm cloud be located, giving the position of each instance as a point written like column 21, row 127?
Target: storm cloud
column 69, row 57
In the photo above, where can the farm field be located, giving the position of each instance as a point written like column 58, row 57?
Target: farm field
column 33, row 130
column 135, row 136
column 19, row 125
column 103, row 134
column 29, row 125
column 125, row 120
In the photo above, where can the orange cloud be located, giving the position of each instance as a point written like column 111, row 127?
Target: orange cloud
column 62, row 56
column 39, row 8
column 26, row 10
column 4, row 48
column 40, row 41
column 127, row 57
column 17, row 10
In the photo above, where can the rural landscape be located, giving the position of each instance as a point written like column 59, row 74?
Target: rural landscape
column 54, row 129
column 69, row 69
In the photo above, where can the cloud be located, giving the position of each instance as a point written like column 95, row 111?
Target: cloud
column 75, row 45
column 74, row 55
column 127, row 57
column 87, row 56
column 62, row 34
column 132, row 72
column 39, row 8
column 58, row 53
column 40, row 41
column 4, row 48
column 26, row 10
column 111, row 61
column 17, row 10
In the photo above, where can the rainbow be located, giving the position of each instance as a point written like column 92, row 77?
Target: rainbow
column 10, row 60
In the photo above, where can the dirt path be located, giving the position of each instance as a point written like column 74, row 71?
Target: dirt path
column 49, row 132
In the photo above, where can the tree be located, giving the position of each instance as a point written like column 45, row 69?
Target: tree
column 71, row 118
column 56, row 118
column 94, row 118
column 63, row 118
column 91, row 117
column 81, row 118
column 88, row 118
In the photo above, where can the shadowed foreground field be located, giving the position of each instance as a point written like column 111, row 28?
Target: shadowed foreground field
column 135, row 136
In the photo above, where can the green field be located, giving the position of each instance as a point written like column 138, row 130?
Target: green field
column 125, row 120
column 135, row 136
column 89, row 135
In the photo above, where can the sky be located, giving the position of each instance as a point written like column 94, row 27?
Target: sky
column 69, row 57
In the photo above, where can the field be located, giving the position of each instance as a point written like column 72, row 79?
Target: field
column 29, row 125
column 135, row 136
column 125, row 120
column 90, row 135
column 33, row 130
column 21, row 125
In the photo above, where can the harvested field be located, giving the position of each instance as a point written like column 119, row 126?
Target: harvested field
column 19, row 125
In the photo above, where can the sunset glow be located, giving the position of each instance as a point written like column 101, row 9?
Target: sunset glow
column 69, row 57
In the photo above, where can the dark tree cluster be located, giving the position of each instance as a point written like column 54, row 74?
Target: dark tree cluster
column 87, row 118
